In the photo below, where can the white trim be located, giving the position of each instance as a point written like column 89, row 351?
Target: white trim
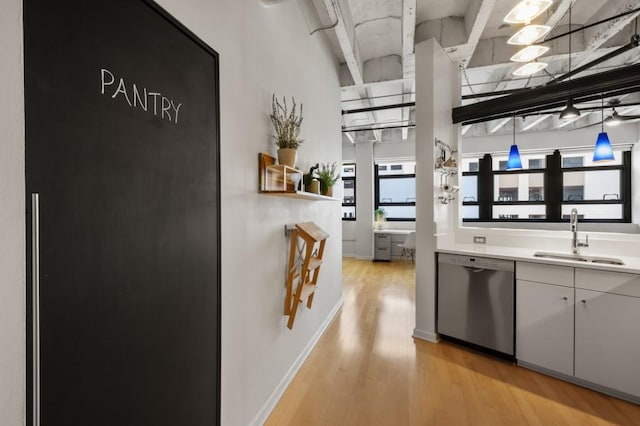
column 277, row 393
column 364, row 257
column 429, row 336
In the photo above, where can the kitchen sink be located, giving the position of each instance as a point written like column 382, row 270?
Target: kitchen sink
column 579, row 258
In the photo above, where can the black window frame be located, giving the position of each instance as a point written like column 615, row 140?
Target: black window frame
column 352, row 179
column 553, row 199
column 379, row 204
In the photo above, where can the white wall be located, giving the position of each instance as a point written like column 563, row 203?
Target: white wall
column 12, row 218
column 437, row 91
column 262, row 51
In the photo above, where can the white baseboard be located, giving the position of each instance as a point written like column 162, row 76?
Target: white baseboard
column 364, row 257
column 429, row 336
column 277, row 393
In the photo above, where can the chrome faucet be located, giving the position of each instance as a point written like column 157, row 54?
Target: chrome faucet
column 575, row 242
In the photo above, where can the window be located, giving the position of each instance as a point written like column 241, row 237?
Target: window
column 600, row 193
column 349, row 192
column 395, row 189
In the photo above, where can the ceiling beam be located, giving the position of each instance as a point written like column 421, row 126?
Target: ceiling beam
column 408, row 58
column 615, row 82
column 345, row 32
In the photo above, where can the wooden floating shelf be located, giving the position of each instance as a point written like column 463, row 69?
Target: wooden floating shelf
column 301, row 195
column 283, row 181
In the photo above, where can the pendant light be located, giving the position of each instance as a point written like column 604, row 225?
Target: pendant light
column 514, row 161
column 570, row 111
column 602, row 151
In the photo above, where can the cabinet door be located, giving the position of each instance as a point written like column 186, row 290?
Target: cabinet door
column 607, row 342
column 544, row 325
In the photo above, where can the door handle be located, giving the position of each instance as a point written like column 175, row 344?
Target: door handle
column 35, row 303
column 472, row 269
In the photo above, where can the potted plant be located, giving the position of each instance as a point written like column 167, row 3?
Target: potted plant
column 379, row 214
column 328, row 175
column 286, row 124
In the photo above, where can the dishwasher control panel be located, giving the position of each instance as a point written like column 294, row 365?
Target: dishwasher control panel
column 476, row 262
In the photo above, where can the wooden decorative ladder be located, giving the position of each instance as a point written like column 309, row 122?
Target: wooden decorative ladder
column 304, row 267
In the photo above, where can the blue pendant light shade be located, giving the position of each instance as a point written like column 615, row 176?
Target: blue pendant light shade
column 603, row 151
column 514, row 161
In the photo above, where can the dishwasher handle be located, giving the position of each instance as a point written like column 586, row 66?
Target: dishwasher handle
column 472, row 269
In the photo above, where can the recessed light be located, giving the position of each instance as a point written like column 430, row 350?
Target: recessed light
column 529, row 53
column 530, row 68
column 526, row 11
column 529, row 34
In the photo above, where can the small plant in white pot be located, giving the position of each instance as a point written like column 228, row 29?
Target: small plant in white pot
column 286, row 124
column 379, row 214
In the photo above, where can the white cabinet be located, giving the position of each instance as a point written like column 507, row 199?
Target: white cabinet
column 607, row 341
column 544, row 325
column 582, row 323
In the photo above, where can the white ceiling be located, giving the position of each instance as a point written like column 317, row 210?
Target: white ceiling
column 374, row 42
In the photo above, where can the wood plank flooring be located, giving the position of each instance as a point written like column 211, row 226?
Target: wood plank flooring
column 368, row 370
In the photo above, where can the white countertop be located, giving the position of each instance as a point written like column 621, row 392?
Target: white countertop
column 393, row 231
column 631, row 264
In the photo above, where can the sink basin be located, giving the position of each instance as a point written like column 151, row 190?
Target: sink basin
column 561, row 256
column 579, row 258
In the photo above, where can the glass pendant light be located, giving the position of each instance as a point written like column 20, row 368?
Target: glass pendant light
column 602, row 151
column 514, row 161
column 526, row 11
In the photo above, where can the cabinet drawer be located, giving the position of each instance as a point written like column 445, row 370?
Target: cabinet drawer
column 608, row 282
column 383, row 240
column 542, row 273
column 383, row 253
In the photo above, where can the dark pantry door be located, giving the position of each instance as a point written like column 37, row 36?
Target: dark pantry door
column 129, row 214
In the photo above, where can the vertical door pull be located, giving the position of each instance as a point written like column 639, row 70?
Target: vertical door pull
column 35, row 291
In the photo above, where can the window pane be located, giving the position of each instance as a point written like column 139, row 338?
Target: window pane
column 593, row 211
column 397, row 168
column 349, row 196
column 591, row 185
column 470, row 165
column 400, row 212
column 519, row 187
column 397, row 190
column 348, row 170
column 470, row 188
column 585, row 159
column 470, row 212
column 348, row 212
column 529, row 161
column 519, row 212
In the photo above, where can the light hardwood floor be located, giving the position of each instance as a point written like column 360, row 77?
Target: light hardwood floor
column 368, row 370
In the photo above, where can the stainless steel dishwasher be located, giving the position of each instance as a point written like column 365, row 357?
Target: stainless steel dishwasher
column 476, row 301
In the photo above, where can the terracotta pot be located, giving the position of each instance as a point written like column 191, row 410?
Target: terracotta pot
column 287, row 156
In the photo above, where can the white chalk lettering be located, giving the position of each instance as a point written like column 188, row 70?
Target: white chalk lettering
column 163, row 106
column 122, row 89
column 137, row 99
column 155, row 101
column 166, row 104
column 103, row 73
column 176, row 109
